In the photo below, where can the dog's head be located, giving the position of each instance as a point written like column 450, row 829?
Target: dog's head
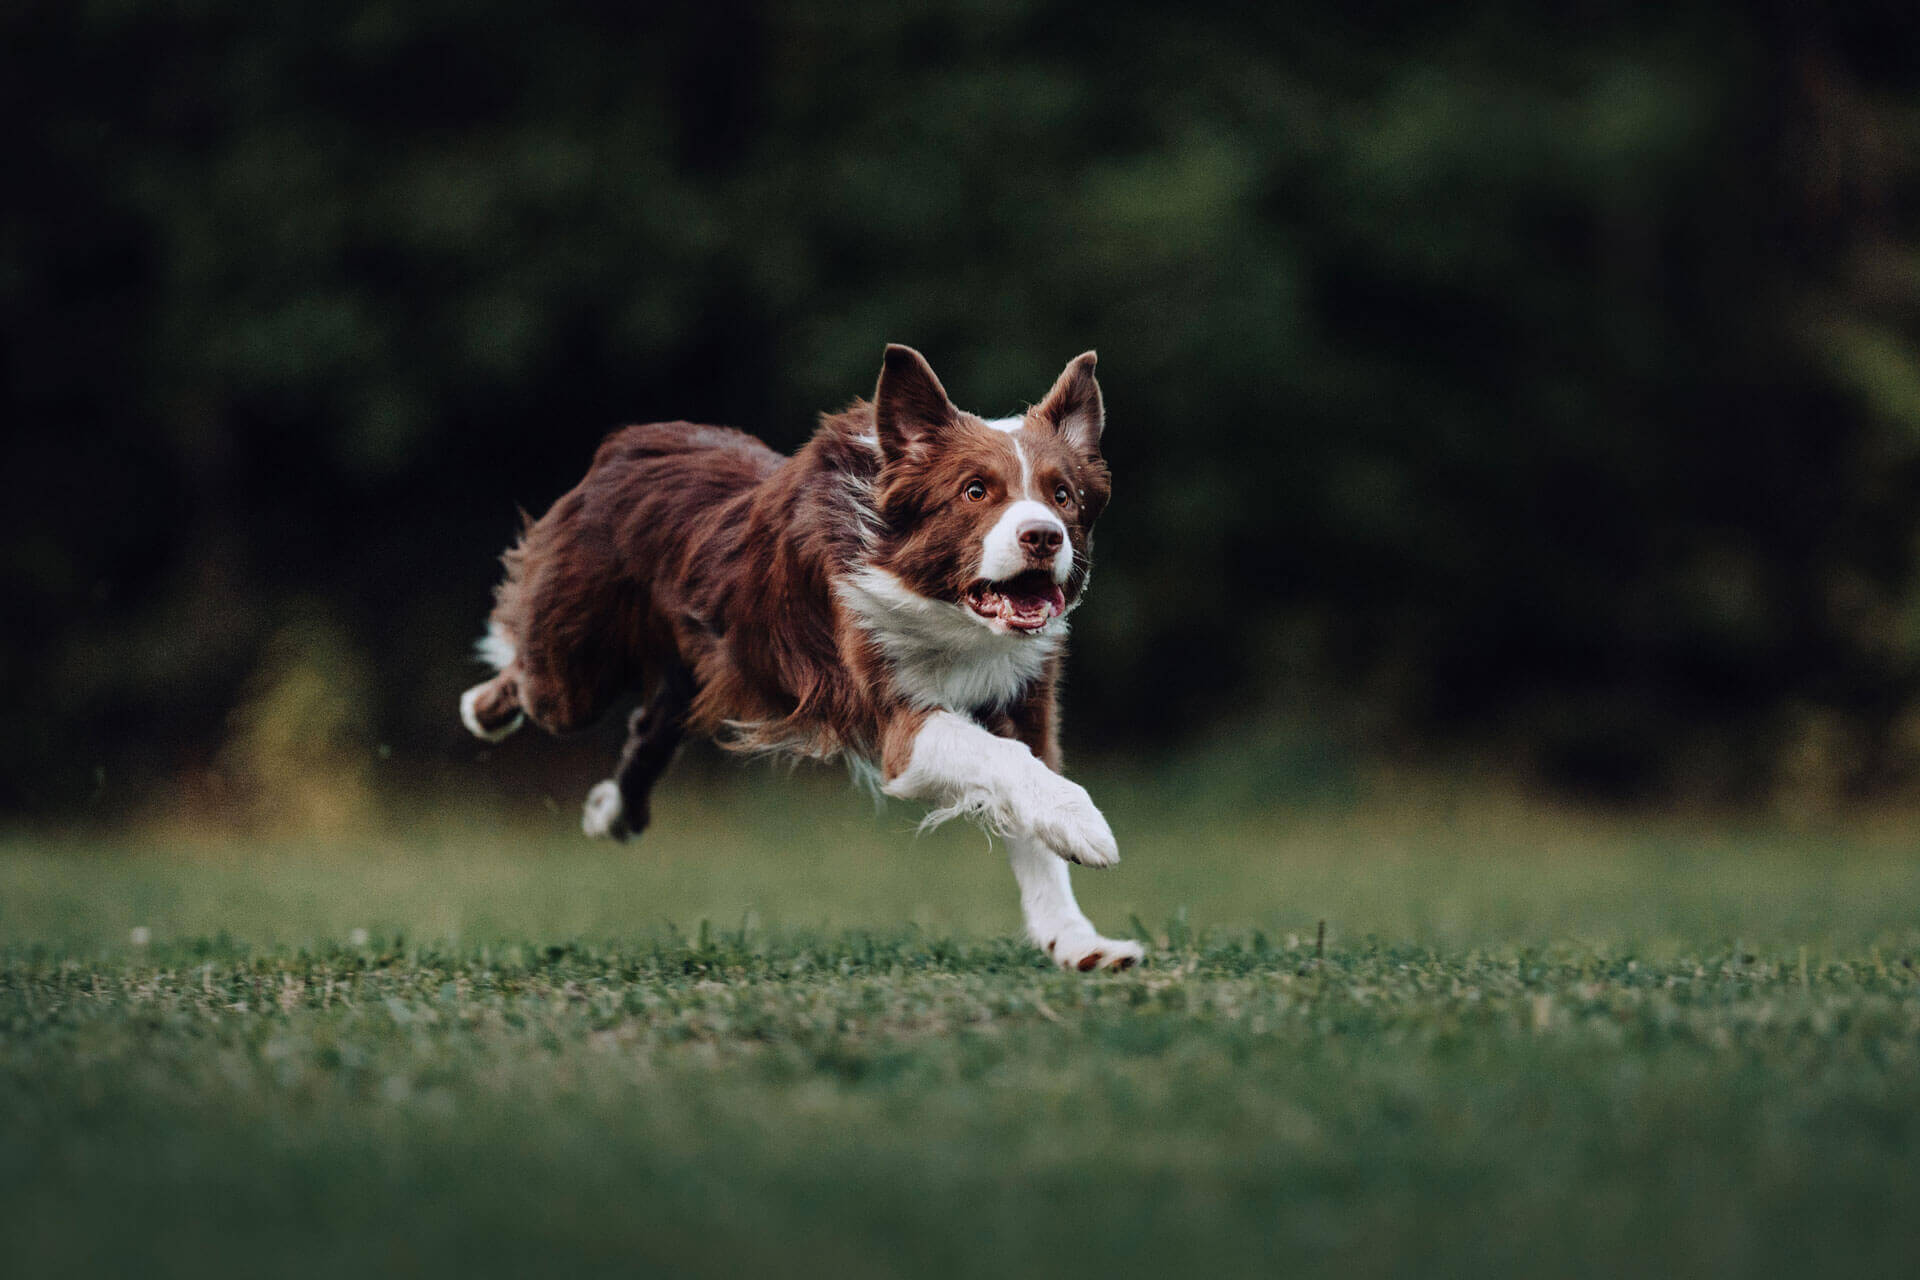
column 994, row 517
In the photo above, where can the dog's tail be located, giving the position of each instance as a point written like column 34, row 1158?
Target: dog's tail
column 496, row 648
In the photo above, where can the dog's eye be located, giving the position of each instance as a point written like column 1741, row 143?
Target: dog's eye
column 974, row 491
column 1062, row 495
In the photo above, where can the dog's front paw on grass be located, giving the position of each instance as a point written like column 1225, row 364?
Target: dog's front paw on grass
column 1088, row 952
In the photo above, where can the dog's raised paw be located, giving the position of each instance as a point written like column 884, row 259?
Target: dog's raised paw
column 1092, row 952
column 1071, row 826
column 604, row 815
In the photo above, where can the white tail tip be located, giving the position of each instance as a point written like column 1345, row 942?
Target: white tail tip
column 496, row 648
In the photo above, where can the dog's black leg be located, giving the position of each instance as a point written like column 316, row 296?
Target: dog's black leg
column 653, row 735
column 618, row 809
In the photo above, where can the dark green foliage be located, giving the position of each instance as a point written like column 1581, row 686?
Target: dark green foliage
column 1477, row 375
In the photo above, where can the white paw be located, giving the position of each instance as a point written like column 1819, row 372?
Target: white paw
column 472, row 721
column 1086, row 951
column 1066, row 821
column 604, row 817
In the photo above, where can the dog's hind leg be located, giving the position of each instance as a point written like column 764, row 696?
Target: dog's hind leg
column 618, row 808
column 491, row 710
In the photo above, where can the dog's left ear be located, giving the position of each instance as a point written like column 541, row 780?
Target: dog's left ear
column 1074, row 408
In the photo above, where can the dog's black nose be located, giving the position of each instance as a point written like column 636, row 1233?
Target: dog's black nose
column 1040, row 537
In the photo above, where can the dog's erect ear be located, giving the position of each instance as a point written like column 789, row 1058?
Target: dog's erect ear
column 909, row 404
column 1073, row 406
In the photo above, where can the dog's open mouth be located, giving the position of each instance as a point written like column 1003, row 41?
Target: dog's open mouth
column 1025, row 602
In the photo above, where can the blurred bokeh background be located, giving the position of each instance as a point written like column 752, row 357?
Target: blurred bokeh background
column 1527, row 393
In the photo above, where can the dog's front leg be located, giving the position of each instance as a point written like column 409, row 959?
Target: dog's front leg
column 1054, row 920
column 951, row 762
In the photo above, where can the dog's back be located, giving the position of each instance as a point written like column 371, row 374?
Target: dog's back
column 592, row 587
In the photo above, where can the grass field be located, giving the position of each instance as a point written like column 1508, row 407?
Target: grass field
column 781, row 1037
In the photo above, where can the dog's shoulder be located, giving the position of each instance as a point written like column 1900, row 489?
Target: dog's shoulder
column 845, row 443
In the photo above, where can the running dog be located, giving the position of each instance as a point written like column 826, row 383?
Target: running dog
column 895, row 594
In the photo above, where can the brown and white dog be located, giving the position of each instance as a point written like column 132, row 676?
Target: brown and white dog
column 895, row 594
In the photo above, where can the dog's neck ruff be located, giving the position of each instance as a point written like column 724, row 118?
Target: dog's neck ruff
column 944, row 655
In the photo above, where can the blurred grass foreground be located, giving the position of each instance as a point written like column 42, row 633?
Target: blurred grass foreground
column 780, row 1037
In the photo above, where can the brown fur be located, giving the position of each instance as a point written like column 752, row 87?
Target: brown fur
column 696, row 562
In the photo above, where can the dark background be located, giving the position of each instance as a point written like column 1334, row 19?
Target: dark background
column 1489, row 387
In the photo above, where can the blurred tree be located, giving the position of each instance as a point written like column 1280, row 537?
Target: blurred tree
column 1546, row 382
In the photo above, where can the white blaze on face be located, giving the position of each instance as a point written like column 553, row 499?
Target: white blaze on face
column 1001, row 556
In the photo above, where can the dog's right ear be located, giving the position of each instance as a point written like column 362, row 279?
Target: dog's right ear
column 909, row 404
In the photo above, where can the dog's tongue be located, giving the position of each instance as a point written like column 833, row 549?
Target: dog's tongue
column 1029, row 609
column 1027, row 603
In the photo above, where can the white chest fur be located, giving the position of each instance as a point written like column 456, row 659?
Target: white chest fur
column 944, row 655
